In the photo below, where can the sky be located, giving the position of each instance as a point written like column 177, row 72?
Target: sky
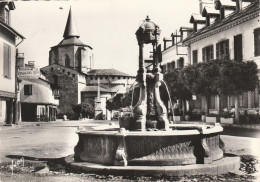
column 108, row 26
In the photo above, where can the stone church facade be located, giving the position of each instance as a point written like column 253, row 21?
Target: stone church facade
column 70, row 70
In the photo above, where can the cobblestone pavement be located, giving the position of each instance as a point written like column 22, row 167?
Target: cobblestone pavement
column 44, row 146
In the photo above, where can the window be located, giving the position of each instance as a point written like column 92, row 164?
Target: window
column 164, row 68
column 195, row 56
column 68, row 73
column 238, row 51
column 168, row 67
column 27, row 89
column 222, row 49
column 173, row 65
column 7, row 61
column 91, row 78
column 119, row 77
column 207, row 53
column 67, row 60
column 180, row 62
column 257, row 41
column 113, row 77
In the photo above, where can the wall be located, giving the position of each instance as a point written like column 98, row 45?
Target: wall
column 41, row 92
column 172, row 54
column 57, row 55
column 247, row 31
column 2, row 110
column 7, row 84
column 68, row 84
column 111, row 81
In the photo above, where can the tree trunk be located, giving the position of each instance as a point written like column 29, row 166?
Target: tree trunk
column 220, row 107
column 236, row 110
column 183, row 107
column 207, row 105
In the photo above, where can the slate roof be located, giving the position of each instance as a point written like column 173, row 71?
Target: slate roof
column 209, row 10
column 253, row 7
column 71, row 28
column 197, row 18
column 72, row 41
column 107, row 72
column 224, row 3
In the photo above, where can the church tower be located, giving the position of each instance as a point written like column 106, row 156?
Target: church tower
column 71, row 52
column 69, row 61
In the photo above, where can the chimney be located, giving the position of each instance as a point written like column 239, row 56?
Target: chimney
column 173, row 39
column 20, row 60
column 238, row 5
column 164, row 44
column 204, row 3
column 5, row 8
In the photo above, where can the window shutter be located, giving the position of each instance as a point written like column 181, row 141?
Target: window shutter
column 211, row 53
column 7, row 61
column 217, row 50
column 204, row 54
column 257, row 41
column 226, row 48
column 238, row 49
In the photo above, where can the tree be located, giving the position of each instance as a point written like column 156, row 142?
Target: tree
column 198, row 79
column 234, row 78
column 176, row 87
column 85, row 109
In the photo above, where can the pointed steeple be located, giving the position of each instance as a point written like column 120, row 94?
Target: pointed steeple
column 70, row 29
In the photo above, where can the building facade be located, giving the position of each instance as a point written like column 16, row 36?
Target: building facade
column 70, row 71
column 231, row 30
column 9, row 40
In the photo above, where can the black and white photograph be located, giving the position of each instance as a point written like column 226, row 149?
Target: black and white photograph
column 129, row 90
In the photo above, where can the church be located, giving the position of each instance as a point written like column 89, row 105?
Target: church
column 73, row 79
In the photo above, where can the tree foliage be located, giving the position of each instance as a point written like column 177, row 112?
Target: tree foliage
column 85, row 109
column 222, row 77
column 176, row 85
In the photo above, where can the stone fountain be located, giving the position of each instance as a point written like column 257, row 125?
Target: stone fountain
column 147, row 144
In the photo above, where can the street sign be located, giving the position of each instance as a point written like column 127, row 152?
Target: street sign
column 31, row 73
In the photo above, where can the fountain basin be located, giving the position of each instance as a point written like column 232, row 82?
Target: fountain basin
column 184, row 144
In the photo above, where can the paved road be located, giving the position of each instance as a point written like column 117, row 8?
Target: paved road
column 57, row 139
column 49, row 140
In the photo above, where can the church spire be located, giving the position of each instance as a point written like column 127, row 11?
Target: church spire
column 70, row 29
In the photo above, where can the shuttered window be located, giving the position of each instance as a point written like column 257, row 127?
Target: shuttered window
column 222, row 49
column 207, row 53
column 238, row 50
column 195, row 56
column 7, row 61
column 173, row 65
column 27, row 89
column 257, row 41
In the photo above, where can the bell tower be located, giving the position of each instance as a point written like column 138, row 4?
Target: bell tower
column 71, row 52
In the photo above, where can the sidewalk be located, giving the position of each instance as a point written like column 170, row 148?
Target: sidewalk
column 59, row 123
column 245, row 126
column 82, row 123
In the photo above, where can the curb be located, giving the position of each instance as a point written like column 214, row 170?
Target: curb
column 224, row 165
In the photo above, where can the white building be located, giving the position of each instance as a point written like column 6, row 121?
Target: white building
column 9, row 40
column 234, row 33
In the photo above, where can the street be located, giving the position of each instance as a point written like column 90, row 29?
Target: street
column 56, row 140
